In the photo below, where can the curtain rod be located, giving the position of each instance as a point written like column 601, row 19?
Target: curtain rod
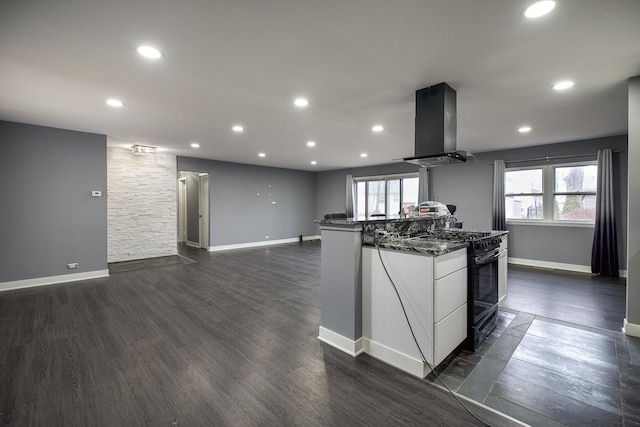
column 547, row 158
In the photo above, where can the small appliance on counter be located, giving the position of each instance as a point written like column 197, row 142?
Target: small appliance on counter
column 429, row 208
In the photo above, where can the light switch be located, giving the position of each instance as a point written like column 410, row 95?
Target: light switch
column 95, row 193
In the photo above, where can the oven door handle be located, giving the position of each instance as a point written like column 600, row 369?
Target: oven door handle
column 487, row 258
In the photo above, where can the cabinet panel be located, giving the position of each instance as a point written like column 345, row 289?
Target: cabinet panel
column 448, row 263
column 450, row 293
column 502, row 275
column 449, row 333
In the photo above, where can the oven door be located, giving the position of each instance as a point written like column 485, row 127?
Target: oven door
column 483, row 283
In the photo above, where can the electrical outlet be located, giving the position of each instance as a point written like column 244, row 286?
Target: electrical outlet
column 72, row 266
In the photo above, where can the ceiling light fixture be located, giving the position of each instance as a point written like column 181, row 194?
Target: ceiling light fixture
column 237, row 128
column 195, row 145
column 377, row 128
column 313, row 162
column 149, row 52
column 262, row 155
column 115, row 103
column 566, row 84
column 142, row 149
column 363, row 155
column 301, row 102
column 539, row 8
column 311, row 144
column 524, row 129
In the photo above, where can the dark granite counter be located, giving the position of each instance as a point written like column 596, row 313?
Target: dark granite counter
column 427, row 235
column 419, row 245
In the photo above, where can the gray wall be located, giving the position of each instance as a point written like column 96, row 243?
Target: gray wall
column 48, row 216
column 633, row 280
column 239, row 215
column 469, row 186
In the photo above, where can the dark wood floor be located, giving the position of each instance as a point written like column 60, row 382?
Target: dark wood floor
column 578, row 298
column 228, row 340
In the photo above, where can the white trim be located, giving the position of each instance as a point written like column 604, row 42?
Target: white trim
column 556, row 265
column 52, row 280
column 543, row 223
column 388, row 176
column 394, row 358
column 342, row 343
column 193, row 244
column 551, row 265
column 631, row 329
column 258, row 244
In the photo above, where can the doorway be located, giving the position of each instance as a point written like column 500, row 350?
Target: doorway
column 193, row 209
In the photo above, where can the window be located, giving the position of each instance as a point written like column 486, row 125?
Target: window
column 385, row 196
column 560, row 193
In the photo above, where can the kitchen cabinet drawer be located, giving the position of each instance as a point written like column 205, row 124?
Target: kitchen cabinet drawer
column 448, row 263
column 450, row 293
column 449, row 333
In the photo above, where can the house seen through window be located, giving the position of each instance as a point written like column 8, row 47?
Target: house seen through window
column 552, row 193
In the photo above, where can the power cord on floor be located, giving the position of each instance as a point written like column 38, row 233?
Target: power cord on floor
column 415, row 340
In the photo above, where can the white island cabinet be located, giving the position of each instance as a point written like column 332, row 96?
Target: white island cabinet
column 433, row 290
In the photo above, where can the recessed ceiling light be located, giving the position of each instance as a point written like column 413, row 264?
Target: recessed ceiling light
column 311, row 143
column 149, row 52
column 539, row 8
column 262, row 155
column 563, row 85
column 115, row 103
column 301, row 102
column 377, row 128
column 363, row 154
column 524, row 129
column 313, row 162
column 237, row 128
column 195, row 145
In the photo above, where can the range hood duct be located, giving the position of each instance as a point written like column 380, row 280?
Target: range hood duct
column 436, row 123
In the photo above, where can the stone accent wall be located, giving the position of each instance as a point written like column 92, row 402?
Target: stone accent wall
column 141, row 205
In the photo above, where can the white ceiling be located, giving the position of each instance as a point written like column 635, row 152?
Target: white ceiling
column 358, row 62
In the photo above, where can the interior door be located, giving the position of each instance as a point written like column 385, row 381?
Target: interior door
column 204, row 210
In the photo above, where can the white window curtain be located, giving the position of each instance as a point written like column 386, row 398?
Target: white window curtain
column 604, row 252
column 423, row 185
column 499, row 221
column 350, row 197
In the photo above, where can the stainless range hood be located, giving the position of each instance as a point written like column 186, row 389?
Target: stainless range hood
column 435, row 139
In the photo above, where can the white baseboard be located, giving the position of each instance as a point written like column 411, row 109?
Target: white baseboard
column 394, row 358
column 556, row 265
column 52, row 280
column 193, row 244
column 351, row 347
column 258, row 244
column 551, row 265
column 631, row 329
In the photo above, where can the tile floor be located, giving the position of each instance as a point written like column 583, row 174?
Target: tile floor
column 549, row 372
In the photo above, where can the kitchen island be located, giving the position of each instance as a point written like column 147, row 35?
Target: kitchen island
column 360, row 309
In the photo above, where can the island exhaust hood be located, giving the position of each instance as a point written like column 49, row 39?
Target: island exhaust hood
column 435, row 141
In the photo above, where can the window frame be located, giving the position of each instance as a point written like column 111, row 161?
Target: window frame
column 549, row 194
column 385, row 178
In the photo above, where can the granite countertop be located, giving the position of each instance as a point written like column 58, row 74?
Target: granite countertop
column 433, row 243
column 420, row 245
column 382, row 219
